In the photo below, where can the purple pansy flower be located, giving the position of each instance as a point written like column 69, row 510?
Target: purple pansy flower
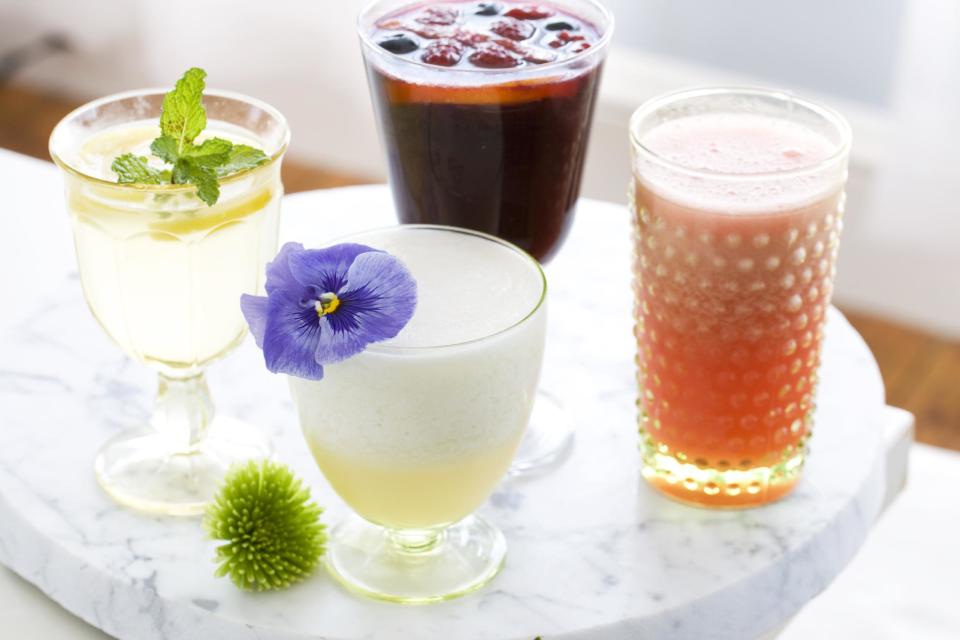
column 325, row 305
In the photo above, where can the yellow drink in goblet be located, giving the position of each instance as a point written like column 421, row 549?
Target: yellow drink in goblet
column 162, row 273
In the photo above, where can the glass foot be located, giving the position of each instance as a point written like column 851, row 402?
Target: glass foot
column 722, row 488
column 415, row 567
column 548, row 438
column 146, row 471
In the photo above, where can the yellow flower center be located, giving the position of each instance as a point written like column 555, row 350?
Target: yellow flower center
column 327, row 303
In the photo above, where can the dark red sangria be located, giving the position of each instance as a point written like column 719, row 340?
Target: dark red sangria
column 485, row 110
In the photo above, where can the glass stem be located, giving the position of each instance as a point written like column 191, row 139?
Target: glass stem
column 414, row 541
column 183, row 410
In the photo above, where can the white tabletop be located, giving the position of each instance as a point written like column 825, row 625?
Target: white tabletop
column 594, row 552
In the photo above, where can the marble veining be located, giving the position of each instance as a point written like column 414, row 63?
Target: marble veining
column 593, row 552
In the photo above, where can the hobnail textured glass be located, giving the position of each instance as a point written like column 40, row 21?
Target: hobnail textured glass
column 730, row 312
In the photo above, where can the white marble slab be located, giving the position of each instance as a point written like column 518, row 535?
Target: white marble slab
column 594, row 553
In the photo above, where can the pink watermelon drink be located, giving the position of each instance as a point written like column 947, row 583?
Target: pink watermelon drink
column 738, row 205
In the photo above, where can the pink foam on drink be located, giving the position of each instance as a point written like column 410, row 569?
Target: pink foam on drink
column 741, row 150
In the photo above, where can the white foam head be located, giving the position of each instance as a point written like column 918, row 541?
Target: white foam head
column 468, row 286
column 420, row 405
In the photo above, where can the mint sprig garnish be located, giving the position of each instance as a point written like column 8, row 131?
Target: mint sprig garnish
column 182, row 120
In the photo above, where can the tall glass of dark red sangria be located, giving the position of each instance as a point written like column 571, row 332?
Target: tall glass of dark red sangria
column 484, row 110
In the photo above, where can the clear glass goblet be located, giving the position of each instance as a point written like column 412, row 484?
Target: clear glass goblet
column 163, row 273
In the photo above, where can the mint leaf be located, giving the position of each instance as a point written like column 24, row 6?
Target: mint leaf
column 131, row 169
column 165, row 148
column 183, row 116
column 212, row 153
column 187, row 170
column 208, row 187
column 241, row 157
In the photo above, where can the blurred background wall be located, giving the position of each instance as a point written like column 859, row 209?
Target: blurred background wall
column 892, row 66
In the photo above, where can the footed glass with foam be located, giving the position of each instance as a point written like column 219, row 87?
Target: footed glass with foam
column 162, row 273
column 414, row 433
column 738, row 205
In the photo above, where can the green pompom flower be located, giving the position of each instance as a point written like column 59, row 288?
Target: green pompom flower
column 274, row 537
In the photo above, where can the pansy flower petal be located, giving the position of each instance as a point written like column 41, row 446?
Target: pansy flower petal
column 325, row 269
column 337, row 343
column 254, row 310
column 290, row 338
column 384, row 280
column 376, row 302
column 279, row 277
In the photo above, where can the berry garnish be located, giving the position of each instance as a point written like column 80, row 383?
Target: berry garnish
column 513, row 29
column 533, row 55
column 470, row 38
column 509, row 45
column 566, row 36
column 390, row 24
column 491, row 55
column 539, row 56
column 443, row 53
column 431, row 31
column 529, row 12
column 560, row 25
column 399, row 44
column 579, row 47
column 487, row 9
column 438, row 16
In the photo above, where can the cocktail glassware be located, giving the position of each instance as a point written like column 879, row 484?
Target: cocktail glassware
column 415, row 433
column 498, row 150
column 738, row 196
column 163, row 273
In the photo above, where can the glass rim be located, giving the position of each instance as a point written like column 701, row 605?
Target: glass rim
column 598, row 46
column 390, row 349
column 827, row 113
column 167, row 188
